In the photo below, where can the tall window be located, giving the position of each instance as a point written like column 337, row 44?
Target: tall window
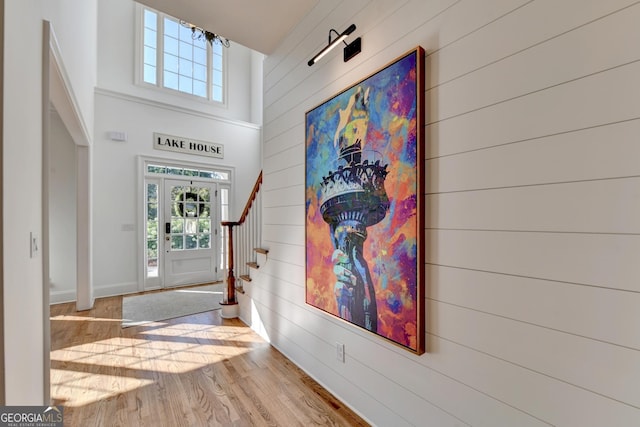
column 224, row 216
column 174, row 60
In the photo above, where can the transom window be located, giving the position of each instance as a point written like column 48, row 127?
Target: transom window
column 173, row 59
column 193, row 172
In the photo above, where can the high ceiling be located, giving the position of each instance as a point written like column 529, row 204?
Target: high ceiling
column 257, row 24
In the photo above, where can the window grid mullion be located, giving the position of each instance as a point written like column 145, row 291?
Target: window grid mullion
column 209, row 72
column 160, row 55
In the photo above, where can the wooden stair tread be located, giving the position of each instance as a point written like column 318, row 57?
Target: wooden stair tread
column 261, row 251
column 245, row 277
column 253, row 264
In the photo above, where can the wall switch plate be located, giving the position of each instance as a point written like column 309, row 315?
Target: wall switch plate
column 34, row 244
column 340, row 352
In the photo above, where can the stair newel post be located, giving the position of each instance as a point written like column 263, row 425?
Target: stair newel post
column 230, row 303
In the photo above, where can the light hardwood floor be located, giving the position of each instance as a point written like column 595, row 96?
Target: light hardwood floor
column 197, row 370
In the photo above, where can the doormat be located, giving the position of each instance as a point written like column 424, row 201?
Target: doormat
column 140, row 309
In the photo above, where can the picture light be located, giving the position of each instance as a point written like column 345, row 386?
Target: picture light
column 350, row 50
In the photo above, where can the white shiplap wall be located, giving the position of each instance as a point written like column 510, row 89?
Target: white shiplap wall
column 533, row 212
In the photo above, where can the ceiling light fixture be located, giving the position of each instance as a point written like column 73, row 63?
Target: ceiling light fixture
column 198, row 33
column 350, row 50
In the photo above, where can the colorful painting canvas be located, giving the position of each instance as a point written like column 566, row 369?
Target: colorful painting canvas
column 364, row 203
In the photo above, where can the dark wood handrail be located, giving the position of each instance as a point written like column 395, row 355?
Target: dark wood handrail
column 252, row 197
column 231, row 280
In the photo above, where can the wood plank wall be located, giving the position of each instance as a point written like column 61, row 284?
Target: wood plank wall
column 533, row 212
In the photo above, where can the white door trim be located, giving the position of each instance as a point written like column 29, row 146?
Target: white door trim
column 144, row 283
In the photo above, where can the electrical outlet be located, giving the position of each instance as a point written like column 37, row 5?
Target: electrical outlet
column 340, row 352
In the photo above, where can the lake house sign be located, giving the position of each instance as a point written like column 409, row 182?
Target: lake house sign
column 188, row 146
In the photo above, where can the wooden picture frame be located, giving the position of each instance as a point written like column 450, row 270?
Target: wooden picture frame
column 364, row 207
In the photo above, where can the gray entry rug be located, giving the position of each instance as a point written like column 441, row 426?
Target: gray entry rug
column 153, row 307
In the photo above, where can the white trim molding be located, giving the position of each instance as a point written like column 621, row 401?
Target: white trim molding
column 64, row 98
column 166, row 106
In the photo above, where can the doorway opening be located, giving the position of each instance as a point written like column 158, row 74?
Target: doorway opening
column 183, row 241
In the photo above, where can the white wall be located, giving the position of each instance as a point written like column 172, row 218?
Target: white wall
column 257, row 61
column 22, row 176
column 122, row 105
column 116, row 186
column 22, row 158
column 62, row 212
column 533, row 212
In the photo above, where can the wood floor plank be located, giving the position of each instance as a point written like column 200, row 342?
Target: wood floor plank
column 198, row 370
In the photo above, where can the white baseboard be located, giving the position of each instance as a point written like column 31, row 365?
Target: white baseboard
column 115, row 289
column 59, row 297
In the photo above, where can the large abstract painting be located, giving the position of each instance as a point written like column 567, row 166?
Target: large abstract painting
column 364, row 203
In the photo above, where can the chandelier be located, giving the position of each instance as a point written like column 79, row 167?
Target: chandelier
column 198, row 33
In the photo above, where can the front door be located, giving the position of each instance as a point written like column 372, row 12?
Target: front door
column 189, row 232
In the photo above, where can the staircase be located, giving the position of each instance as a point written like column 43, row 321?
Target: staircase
column 246, row 278
column 244, row 237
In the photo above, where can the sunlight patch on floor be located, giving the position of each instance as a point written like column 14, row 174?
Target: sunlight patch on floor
column 74, row 390
column 86, row 373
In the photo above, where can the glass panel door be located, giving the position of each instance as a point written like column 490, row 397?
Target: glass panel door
column 189, row 233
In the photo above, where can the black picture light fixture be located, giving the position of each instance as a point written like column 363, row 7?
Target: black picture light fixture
column 351, row 49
